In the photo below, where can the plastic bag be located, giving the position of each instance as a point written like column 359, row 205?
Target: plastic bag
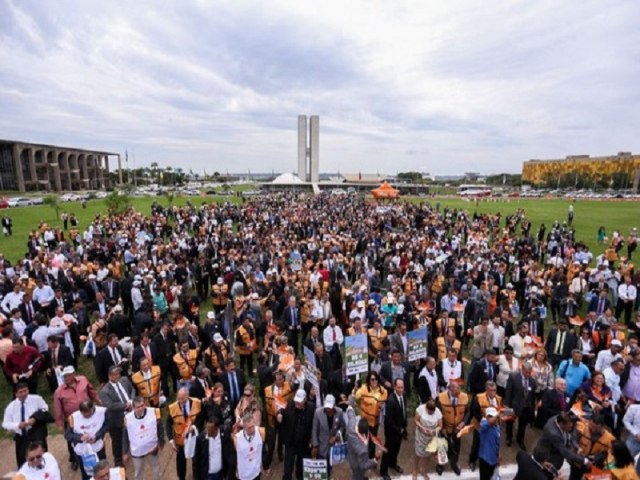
column 89, row 459
column 443, row 458
column 338, row 452
column 89, row 347
column 190, row 445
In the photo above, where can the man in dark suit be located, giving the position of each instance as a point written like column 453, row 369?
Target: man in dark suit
column 399, row 340
column 233, row 382
column 291, row 317
column 395, row 368
column 111, row 288
column 147, row 349
column 28, row 308
column 221, row 440
column 560, row 343
column 536, row 466
column 483, row 371
column 109, row 356
column 560, row 438
column 599, row 303
column 117, row 395
column 296, row 426
column 118, row 323
column 166, row 346
column 340, row 383
column 56, row 357
column 520, row 396
column 553, row 402
column 312, row 339
column 200, row 387
column 395, row 428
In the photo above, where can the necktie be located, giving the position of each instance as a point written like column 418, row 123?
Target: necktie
column 29, row 313
column 333, row 329
column 454, row 402
column 561, row 402
column 293, row 317
column 525, row 387
column 404, row 414
column 601, row 305
column 54, row 358
column 184, row 411
column 559, row 344
column 23, row 416
column 115, row 356
column 234, row 387
column 490, row 369
column 147, row 353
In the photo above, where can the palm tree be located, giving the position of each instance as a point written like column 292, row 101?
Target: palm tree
column 54, row 202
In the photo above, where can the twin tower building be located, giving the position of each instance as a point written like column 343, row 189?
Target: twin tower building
column 308, row 148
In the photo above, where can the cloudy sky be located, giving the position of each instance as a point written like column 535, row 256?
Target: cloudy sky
column 442, row 87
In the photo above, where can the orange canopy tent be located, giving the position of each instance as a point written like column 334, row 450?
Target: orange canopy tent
column 385, row 191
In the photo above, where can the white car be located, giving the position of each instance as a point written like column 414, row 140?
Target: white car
column 101, row 194
column 19, row 202
column 69, row 197
column 37, row 201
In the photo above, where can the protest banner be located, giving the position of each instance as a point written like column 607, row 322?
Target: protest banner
column 417, row 344
column 356, row 354
column 314, row 469
column 309, row 355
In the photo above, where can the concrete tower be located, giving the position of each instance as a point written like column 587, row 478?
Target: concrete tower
column 314, row 145
column 302, row 147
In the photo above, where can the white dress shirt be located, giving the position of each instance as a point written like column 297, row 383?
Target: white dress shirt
column 327, row 336
column 604, row 360
column 632, row 420
column 627, row 292
column 612, row 379
column 215, row 454
column 12, row 414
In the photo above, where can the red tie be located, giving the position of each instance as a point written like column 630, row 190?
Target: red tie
column 334, row 333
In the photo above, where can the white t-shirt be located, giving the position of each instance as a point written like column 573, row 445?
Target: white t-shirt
column 428, row 420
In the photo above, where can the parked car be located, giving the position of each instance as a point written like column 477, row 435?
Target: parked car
column 19, row 202
column 69, row 197
column 37, row 201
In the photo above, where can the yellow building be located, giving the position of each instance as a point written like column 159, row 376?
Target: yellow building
column 541, row 171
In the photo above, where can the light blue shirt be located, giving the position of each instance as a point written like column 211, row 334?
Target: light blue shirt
column 574, row 375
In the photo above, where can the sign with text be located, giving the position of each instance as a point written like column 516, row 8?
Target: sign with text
column 417, row 344
column 356, row 354
column 314, row 469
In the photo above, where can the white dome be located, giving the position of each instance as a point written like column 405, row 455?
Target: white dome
column 287, row 178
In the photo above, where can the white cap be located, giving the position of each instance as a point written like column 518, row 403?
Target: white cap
column 220, row 281
column 491, row 412
column 211, row 315
column 372, row 301
column 255, row 296
column 616, row 342
column 217, row 337
column 117, row 308
column 301, row 396
column 68, row 370
column 329, row 401
column 360, row 304
column 509, row 285
column 401, row 309
column 534, row 289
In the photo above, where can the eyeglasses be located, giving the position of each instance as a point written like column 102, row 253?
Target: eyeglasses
column 247, row 394
column 374, row 379
column 33, row 459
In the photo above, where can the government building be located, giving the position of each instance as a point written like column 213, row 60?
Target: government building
column 32, row 167
column 542, row 171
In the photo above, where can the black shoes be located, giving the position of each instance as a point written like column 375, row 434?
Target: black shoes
column 456, row 469
column 472, row 466
column 439, row 469
column 397, row 469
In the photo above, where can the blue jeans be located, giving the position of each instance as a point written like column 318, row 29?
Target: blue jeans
column 633, row 445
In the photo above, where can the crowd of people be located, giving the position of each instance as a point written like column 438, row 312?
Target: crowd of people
column 200, row 322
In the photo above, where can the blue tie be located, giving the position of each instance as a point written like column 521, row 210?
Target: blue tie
column 293, row 317
column 23, row 416
column 234, row 387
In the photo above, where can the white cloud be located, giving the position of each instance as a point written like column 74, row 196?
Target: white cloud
column 437, row 86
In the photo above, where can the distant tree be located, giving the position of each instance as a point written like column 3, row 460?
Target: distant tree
column 54, row 202
column 118, row 202
column 410, row 177
column 170, row 198
column 506, row 179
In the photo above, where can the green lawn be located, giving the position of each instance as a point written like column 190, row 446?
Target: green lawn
column 589, row 215
column 26, row 219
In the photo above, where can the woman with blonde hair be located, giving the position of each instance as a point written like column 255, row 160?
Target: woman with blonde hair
column 542, row 373
column 428, row 422
column 249, row 404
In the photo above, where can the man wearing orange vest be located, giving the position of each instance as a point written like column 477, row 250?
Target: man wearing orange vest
column 185, row 361
column 454, row 406
column 276, row 398
column 216, row 355
column 595, row 443
column 185, row 417
column 376, row 335
column 220, row 295
column 245, row 344
column 146, row 381
column 479, row 405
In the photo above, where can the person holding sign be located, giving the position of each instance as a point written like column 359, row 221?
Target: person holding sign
column 328, row 421
column 371, row 397
column 296, row 425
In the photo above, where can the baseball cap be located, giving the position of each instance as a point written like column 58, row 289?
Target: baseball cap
column 301, row 396
column 360, row 304
column 615, row 342
column 491, row 412
column 68, row 370
column 211, row 315
column 329, row 401
column 217, row 337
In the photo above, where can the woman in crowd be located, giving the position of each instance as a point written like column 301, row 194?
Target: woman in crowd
column 507, row 364
column 428, row 422
column 599, row 396
column 371, row 399
column 249, row 404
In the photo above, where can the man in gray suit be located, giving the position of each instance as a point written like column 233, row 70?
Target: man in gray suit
column 116, row 395
column 327, row 422
column 358, row 441
column 559, row 436
column 399, row 340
